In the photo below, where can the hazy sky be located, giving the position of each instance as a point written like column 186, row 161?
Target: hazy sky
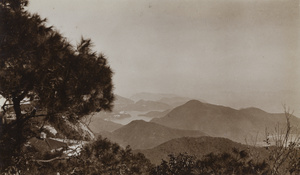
column 236, row 53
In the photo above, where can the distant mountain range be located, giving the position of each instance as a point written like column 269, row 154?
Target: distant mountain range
column 143, row 105
column 195, row 127
column 221, row 121
column 124, row 106
column 191, row 119
column 122, row 100
column 151, row 96
column 169, row 99
column 148, row 102
column 98, row 125
column 143, row 135
column 198, row 147
column 156, row 114
column 176, row 100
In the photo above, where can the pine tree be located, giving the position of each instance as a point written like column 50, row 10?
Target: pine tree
column 38, row 65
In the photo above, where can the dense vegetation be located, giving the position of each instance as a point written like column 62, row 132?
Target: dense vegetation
column 98, row 157
column 40, row 68
column 105, row 157
column 237, row 162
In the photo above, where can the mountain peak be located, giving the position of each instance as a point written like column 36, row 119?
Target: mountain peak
column 193, row 102
column 253, row 110
column 140, row 134
column 150, row 96
column 135, row 122
column 221, row 121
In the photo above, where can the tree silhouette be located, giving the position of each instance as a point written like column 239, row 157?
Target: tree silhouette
column 39, row 67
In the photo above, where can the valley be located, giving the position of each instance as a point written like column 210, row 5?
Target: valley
column 158, row 129
column 195, row 127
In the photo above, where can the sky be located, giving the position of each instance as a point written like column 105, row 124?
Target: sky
column 238, row 53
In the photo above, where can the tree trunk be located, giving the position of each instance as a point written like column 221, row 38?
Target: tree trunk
column 19, row 127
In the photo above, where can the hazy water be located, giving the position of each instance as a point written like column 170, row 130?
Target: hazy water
column 134, row 116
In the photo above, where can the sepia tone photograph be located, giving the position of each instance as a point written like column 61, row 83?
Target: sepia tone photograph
column 150, row 87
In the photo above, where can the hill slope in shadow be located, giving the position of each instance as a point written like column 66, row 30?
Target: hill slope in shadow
column 221, row 121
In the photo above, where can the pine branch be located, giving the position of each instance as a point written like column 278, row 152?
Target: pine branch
column 51, row 160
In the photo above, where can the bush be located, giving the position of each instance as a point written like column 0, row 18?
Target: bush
column 236, row 162
column 105, row 157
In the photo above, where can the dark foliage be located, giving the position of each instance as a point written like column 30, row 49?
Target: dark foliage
column 99, row 157
column 236, row 162
column 181, row 164
column 105, row 157
column 38, row 65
